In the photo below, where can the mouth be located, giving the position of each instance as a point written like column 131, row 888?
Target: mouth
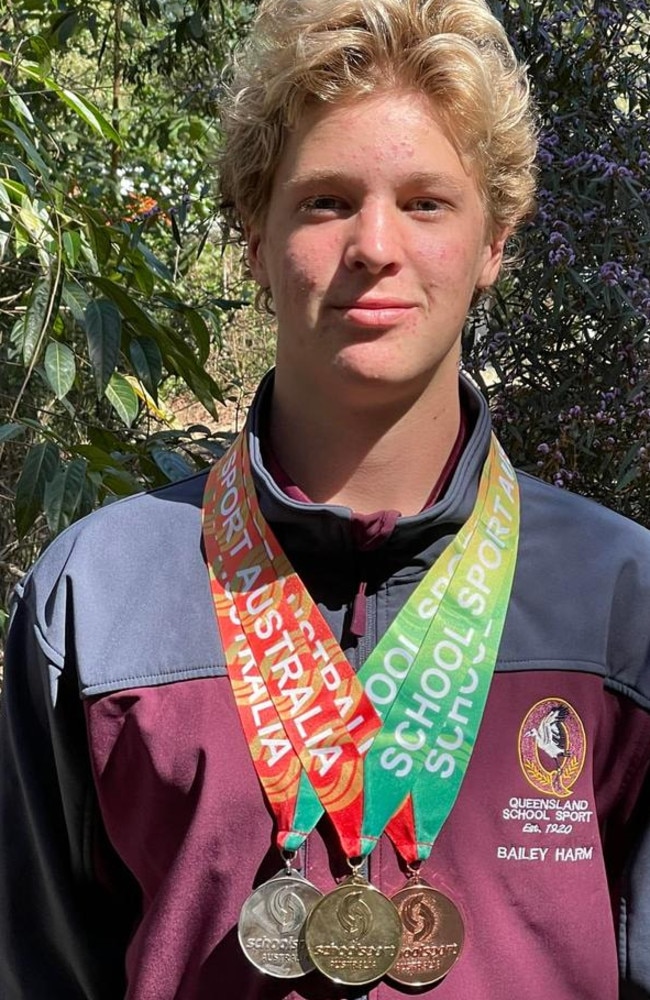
column 376, row 312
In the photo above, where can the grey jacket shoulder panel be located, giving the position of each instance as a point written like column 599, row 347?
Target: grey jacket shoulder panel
column 582, row 590
column 133, row 564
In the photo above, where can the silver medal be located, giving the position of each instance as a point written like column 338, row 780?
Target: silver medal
column 271, row 925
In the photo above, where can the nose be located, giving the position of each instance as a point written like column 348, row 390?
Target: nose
column 373, row 242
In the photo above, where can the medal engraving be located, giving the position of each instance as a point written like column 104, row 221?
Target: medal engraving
column 433, row 935
column 353, row 934
column 271, row 924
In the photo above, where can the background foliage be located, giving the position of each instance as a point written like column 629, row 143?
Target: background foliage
column 116, row 288
column 567, row 341
column 118, row 293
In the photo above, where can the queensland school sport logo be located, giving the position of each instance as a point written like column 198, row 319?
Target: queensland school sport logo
column 552, row 747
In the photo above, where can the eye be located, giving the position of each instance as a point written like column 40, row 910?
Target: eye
column 426, row 206
column 323, row 204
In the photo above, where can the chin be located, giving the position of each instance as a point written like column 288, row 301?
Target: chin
column 379, row 382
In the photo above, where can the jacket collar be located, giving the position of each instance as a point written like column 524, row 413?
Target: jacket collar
column 313, row 526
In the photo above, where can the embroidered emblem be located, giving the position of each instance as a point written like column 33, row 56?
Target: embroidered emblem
column 552, row 747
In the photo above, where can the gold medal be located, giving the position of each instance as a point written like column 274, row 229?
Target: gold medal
column 353, row 934
column 433, row 934
column 271, row 924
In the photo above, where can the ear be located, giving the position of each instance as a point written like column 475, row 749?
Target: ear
column 492, row 259
column 256, row 257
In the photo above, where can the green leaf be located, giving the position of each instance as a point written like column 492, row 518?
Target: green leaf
column 60, row 368
column 35, row 220
column 98, row 459
column 89, row 113
column 19, row 105
column 147, row 362
column 33, row 155
column 144, row 279
column 122, row 398
column 71, row 246
column 141, row 320
column 101, row 241
column 172, row 464
column 120, row 483
column 40, row 466
column 629, row 477
column 76, row 298
column 5, row 200
column 83, row 108
column 34, row 319
column 10, row 431
column 199, row 328
column 104, row 330
column 25, row 176
column 154, row 263
column 63, row 494
column 41, row 51
column 64, row 26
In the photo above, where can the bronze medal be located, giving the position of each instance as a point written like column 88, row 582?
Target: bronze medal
column 353, row 934
column 433, row 934
column 271, row 924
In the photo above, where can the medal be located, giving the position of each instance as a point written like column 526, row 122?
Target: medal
column 271, row 924
column 353, row 934
column 433, row 934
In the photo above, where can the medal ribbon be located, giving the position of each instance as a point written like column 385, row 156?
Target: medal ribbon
column 300, row 702
column 430, row 674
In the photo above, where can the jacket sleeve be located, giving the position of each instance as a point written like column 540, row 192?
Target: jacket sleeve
column 67, row 908
column 634, row 936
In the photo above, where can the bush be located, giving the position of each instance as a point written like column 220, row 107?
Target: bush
column 106, row 222
column 564, row 361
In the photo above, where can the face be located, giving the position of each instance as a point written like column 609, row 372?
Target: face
column 374, row 243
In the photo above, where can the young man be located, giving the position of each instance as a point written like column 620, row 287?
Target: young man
column 378, row 721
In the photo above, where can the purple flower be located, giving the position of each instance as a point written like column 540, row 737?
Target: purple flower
column 562, row 257
column 610, row 273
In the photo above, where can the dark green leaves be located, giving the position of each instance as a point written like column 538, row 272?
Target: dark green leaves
column 147, row 362
column 10, row 431
column 64, row 494
column 172, row 464
column 103, row 329
column 40, row 466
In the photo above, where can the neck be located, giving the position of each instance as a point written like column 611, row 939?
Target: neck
column 385, row 458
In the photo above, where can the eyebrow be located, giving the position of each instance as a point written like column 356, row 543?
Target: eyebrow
column 337, row 177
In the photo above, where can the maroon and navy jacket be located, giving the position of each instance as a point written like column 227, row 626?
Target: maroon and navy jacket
column 133, row 826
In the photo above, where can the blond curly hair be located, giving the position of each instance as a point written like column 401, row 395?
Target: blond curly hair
column 303, row 52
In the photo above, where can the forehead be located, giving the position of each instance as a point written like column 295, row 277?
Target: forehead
column 373, row 134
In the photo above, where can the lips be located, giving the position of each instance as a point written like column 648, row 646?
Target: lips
column 376, row 312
